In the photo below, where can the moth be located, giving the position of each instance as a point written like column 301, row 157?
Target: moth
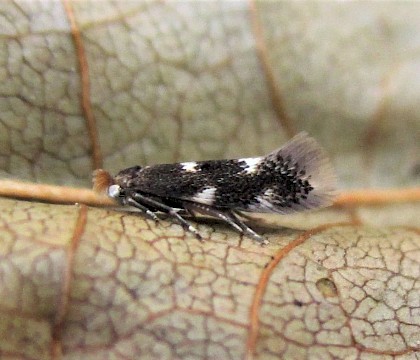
column 293, row 178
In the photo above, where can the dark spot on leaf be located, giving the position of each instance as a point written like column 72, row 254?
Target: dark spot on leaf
column 298, row 303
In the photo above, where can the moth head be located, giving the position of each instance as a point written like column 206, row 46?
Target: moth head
column 114, row 187
column 125, row 177
column 102, row 181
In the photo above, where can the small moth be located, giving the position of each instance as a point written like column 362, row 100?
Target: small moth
column 294, row 178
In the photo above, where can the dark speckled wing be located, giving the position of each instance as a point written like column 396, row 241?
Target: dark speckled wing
column 296, row 177
column 193, row 181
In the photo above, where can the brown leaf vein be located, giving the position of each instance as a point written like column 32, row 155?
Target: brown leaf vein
column 62, row 308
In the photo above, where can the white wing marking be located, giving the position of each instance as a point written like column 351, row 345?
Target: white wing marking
column 251, row 164
column 189, row 166
column 205, row 196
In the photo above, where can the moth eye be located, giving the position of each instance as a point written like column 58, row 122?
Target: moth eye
column 114, row 191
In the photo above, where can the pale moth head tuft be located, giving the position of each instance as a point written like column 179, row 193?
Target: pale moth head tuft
column 114, row 191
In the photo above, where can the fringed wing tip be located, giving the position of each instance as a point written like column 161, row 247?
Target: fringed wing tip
column 102, row 180
column 308, row 154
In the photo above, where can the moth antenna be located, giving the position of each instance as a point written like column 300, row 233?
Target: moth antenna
column 304, row 153
column 102, row 180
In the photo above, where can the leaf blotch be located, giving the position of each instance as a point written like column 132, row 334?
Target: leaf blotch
column 327, row 287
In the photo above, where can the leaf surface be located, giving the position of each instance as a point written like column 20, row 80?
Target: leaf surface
column 112, row 84
column 94, row 283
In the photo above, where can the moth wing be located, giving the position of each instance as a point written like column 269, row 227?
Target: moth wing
column 190, row 181
column 307, row 154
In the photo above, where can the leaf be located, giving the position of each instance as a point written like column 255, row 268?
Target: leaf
column 91, row 84
column 94, row 283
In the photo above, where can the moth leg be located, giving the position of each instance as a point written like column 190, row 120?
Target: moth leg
column 207, row 210
column 167, row 209
column 245, row 229
column 187, row 212
column 144, row 209
column 190, row 213
column 229, row 217
column 243, row 215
